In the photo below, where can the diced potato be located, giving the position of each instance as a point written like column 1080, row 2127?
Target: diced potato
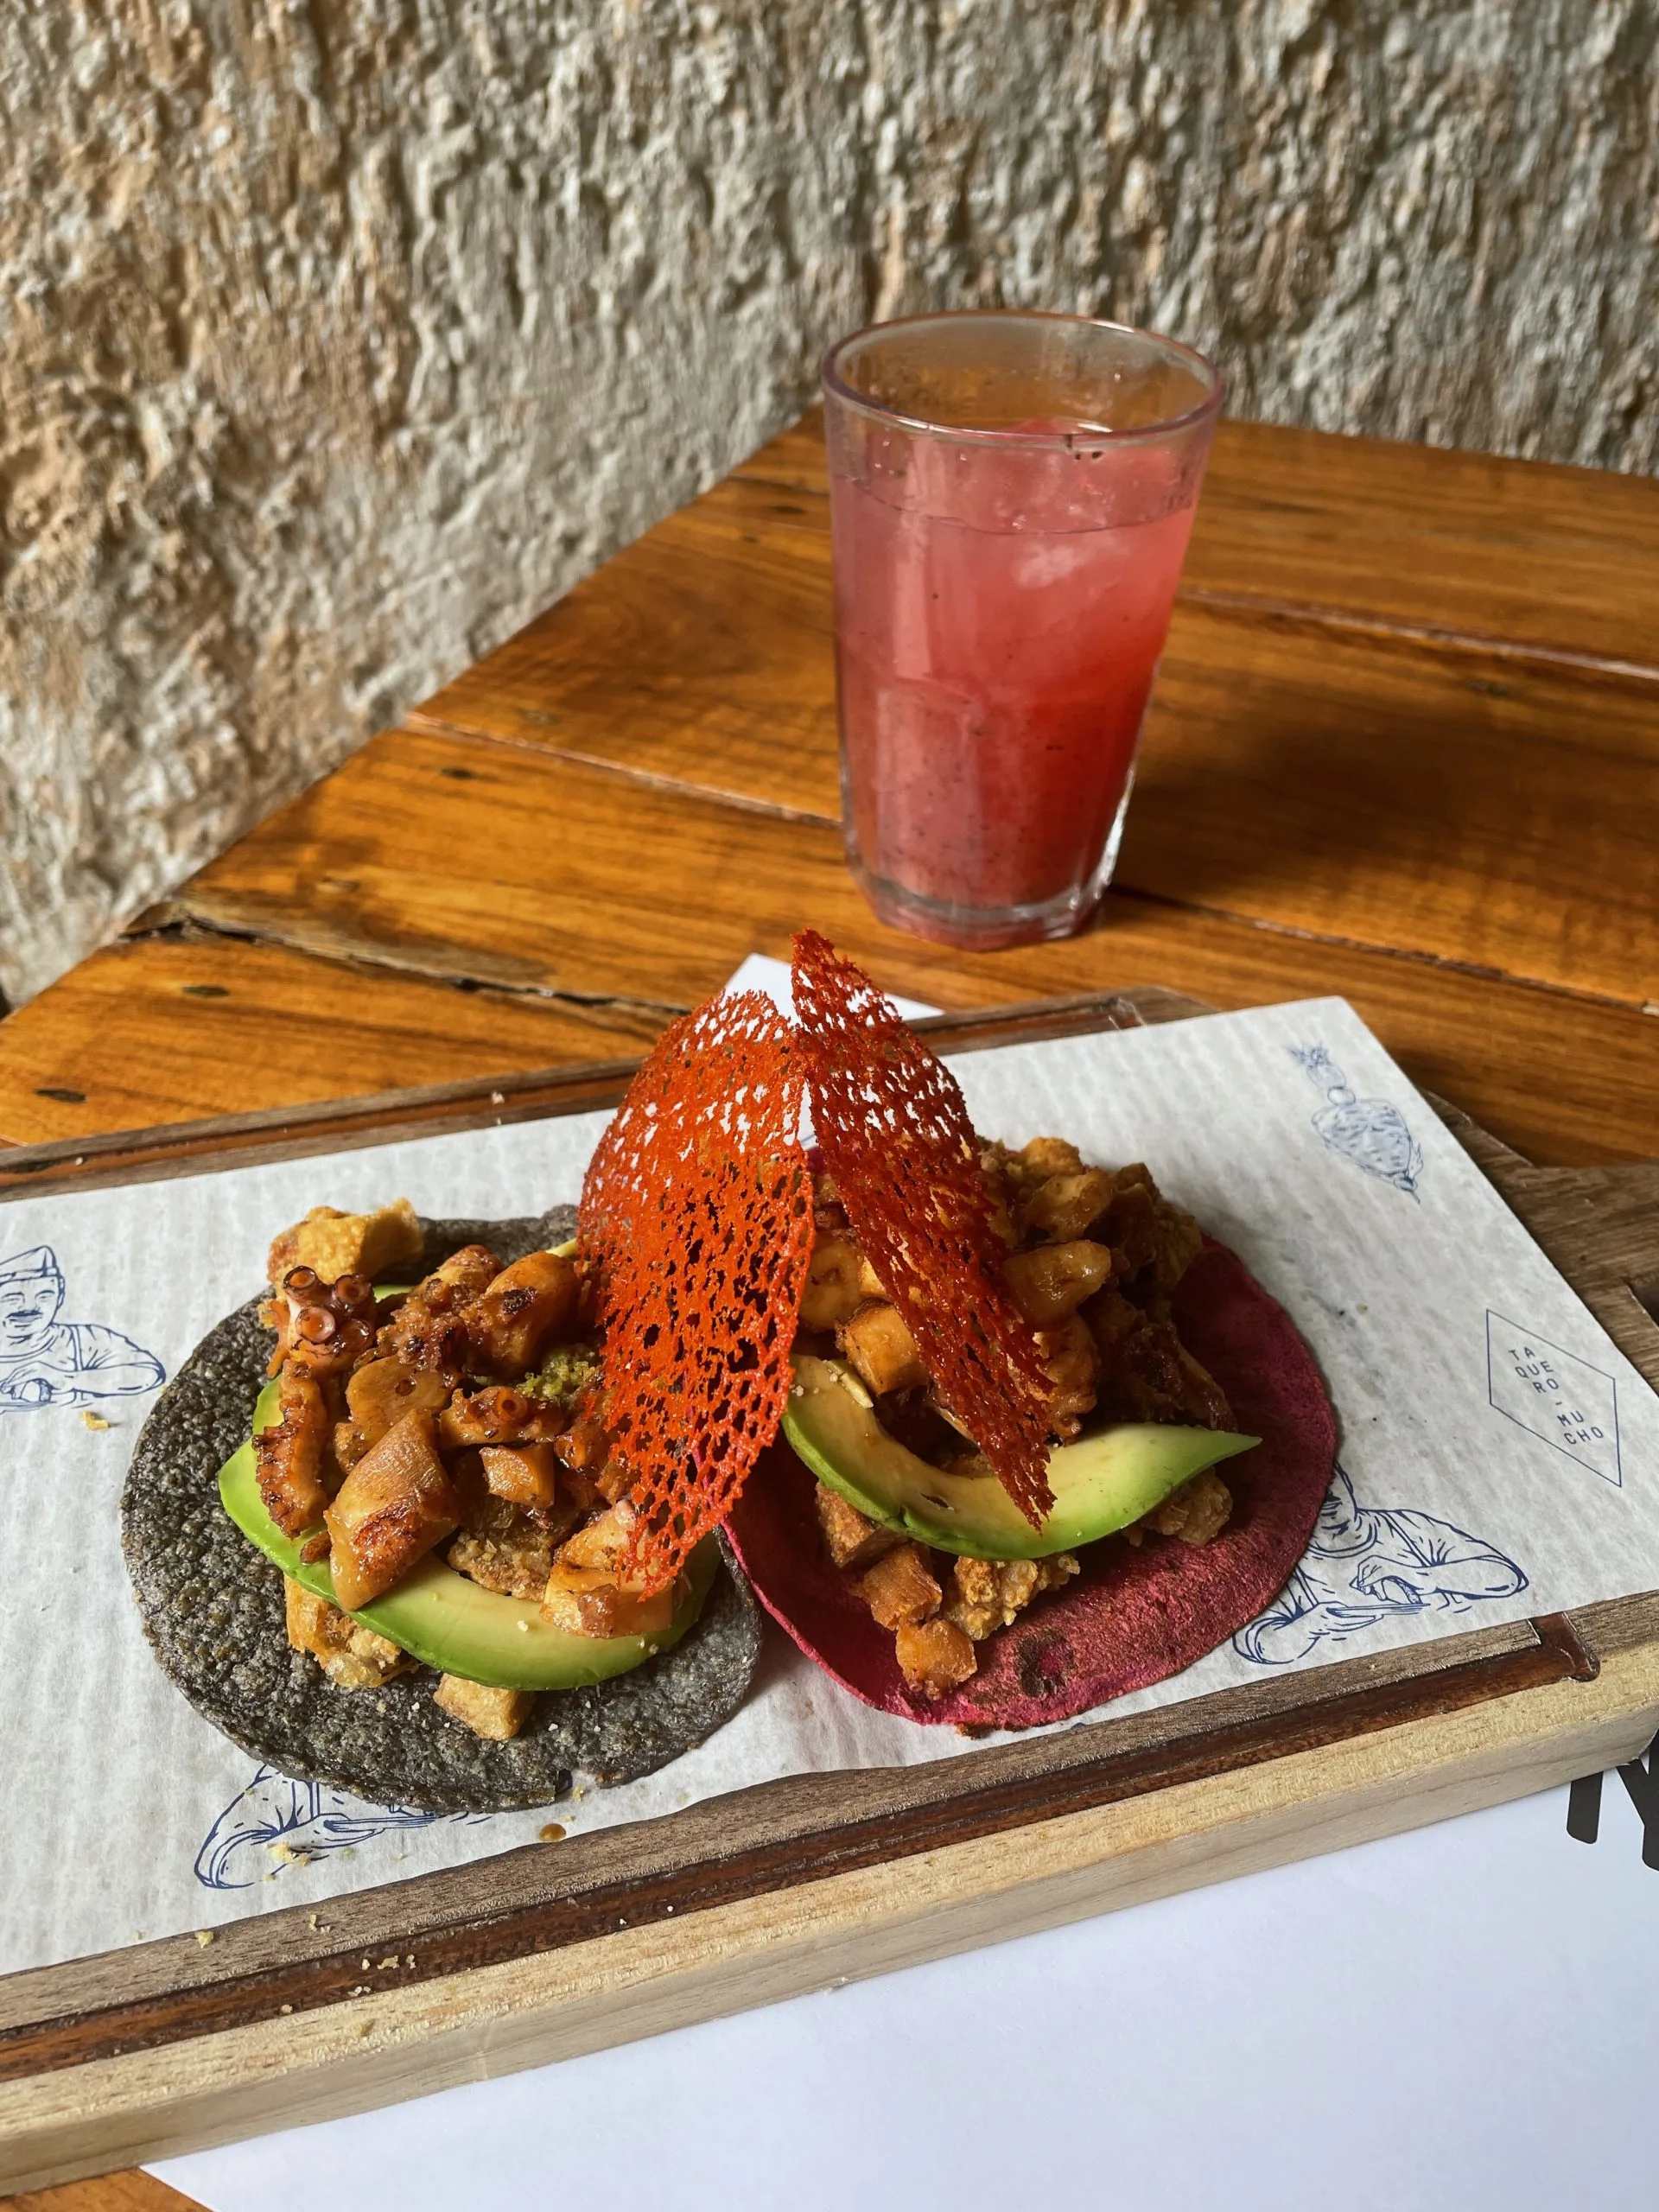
column 385, row 1245
column 849, row 1539
column 382, row 1391
column 869, row 1283
column 1195, row 1513
column 881, row 1349
column 586, row 1593
column 604, row 1542
column 584, row 1601
column 934, row 1657
column 1068, row 1206
column 288, row 1457
column 352, row 1655
column 1072, row 1364
column 524, row 1474
column 832, row 1293
column 394, row 1506
column 986, row 1594
column 529, row 1307
column 466, row 1274
column 1046, row 1156
column 901, row 1589
column 495, row 1714
column 1051, row 1280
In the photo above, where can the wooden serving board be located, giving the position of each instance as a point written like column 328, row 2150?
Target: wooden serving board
column 567, row 1946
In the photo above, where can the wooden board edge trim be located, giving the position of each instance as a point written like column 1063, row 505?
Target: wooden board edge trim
column 988, row 1806
column 482, row 1101
column 286, row 2070
column 777, row 1812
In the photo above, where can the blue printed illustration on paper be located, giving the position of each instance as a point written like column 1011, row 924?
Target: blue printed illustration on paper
column 276, row 1822
column 1368, row 1131
column 45, row 1361
column 1370, row 1563
column 1555, row 1394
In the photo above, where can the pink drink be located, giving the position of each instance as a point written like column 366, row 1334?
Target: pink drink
column 1002, row 600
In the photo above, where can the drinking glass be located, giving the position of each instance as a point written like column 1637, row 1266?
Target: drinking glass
column 1011, row 497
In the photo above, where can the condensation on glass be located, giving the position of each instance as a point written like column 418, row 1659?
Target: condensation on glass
column 1011, row 496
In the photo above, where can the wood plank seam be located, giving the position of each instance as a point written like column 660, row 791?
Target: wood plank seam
column 626, row 772
column 180, row 912
column 175, row 918
column 1306, row 614
column 1414, row 955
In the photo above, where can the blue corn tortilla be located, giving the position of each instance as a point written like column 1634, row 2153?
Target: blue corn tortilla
column 212, row 1607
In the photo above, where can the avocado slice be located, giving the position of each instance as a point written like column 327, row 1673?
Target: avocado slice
column 447, row 1620
column 1101, row 1483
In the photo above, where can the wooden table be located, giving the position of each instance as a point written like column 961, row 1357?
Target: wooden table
column 1405, row 747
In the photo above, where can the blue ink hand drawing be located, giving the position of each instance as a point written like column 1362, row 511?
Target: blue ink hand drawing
column 1369, row 1131
column 1366, row 1563
column 47, row 1361
column 1561, row 1398
column 308, row 1820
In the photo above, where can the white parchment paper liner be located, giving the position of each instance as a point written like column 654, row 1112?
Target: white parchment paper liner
column 1499, row 1455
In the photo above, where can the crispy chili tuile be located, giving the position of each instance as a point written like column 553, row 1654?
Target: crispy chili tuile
column 893, row 1129
column 696, row 1215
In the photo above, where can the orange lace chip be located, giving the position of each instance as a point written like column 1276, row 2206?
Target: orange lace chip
column 697, row 1210
column 893, row 1126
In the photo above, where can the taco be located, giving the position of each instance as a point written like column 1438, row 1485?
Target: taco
column 427, row 1521
column 1047, row 1443
column 995, row 1435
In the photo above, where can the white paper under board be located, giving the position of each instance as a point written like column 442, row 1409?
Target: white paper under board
column 1461, row 2019
column 1499, row 1453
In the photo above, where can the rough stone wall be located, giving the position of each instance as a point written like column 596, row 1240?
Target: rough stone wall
column 338, row 336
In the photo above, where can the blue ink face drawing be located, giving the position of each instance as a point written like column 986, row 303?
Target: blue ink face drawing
column 47, row 1361
column 1561, row 1398
column 275, row 1823
column 1366, row 1563
column 1369, row 1131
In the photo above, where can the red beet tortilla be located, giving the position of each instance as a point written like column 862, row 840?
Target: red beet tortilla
column 1131, row 1618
